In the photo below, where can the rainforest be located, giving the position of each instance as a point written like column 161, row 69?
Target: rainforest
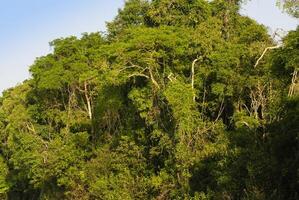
column 179, row 99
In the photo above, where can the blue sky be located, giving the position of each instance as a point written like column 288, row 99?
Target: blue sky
column 27, row 26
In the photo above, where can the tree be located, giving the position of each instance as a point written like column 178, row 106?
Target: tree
column 177, row 101
column 290, row 6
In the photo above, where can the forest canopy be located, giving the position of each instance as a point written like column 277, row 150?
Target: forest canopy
column 180, row 99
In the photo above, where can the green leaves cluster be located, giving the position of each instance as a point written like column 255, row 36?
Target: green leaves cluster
column 166, row 105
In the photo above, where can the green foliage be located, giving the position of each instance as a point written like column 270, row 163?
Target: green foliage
column 4, row 186
column 290, row 6
column 167, row 105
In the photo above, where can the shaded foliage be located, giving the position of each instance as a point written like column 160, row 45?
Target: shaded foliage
column 167, row 105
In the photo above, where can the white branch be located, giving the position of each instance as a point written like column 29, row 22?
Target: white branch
column 293, row 84
column 139, row 74
column 88, row 100
column 263, row 54
column 192, row 75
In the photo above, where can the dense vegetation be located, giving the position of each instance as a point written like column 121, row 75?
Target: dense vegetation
column 174, row 102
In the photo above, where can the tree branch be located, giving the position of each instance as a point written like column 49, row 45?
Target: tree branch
column 88, row 100
column 139, row 74
column 293, row 84
column 193, row 75
column 265, row 51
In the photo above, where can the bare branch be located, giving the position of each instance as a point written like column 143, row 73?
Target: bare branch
column 153, row 79
column 32, row 129
column 130, row 67
column 221, row 109
column 193, row 75
column 88, row 100
column 293, row 84
column 265, row 51
column 169, row 77
column 139, row 74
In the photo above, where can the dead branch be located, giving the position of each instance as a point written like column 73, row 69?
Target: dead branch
column 193, row 75
column 139, row 74
column 88, row 100
column 130, row 67
column 293, row 84
column 152, row 78
column 169, row 77
column 221, row 109
column 31, row 127
column 258, row 100
column 265, row 51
